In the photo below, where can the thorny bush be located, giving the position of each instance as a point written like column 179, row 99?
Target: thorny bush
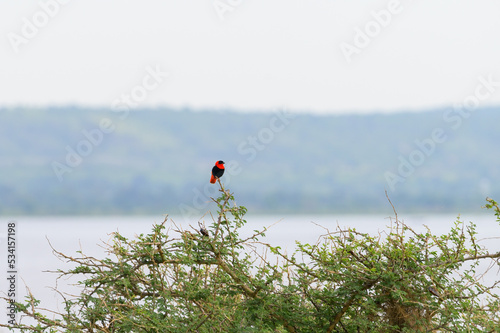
column 211, row 279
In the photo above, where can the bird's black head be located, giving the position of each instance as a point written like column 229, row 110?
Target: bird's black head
column 220, row 162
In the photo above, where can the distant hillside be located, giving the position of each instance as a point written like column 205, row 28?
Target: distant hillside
column 79, row 161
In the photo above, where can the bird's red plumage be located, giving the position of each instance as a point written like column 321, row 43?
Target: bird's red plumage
column 217, row 171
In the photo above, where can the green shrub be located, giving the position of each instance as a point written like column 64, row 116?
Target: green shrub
column 212, row 280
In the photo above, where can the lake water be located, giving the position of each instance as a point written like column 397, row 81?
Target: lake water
column 70, row 234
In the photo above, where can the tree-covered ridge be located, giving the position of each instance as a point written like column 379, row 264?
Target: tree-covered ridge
column 208, row 278
column 88, row 161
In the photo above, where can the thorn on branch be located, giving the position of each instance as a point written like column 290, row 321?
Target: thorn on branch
column 394, row 209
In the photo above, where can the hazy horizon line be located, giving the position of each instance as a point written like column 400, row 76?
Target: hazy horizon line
column 235, row 109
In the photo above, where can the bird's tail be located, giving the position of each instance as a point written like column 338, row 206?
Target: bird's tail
column 213, row 179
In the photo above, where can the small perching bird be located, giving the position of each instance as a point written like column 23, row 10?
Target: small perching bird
column 203, row 231
column 434, row 291
column 217, row 171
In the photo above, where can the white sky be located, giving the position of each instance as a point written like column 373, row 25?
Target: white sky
column 264, row 54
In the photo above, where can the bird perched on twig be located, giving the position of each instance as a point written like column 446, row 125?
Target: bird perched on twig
column 217, row 171
column 203, row 231
column 434, row 291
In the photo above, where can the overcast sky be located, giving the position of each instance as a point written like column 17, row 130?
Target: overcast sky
column 324, row 56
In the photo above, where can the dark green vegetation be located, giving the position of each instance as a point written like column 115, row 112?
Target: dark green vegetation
column 154, row 161
column 216, row 281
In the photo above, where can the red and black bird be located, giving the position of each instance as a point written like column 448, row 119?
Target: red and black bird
column 217, row 171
